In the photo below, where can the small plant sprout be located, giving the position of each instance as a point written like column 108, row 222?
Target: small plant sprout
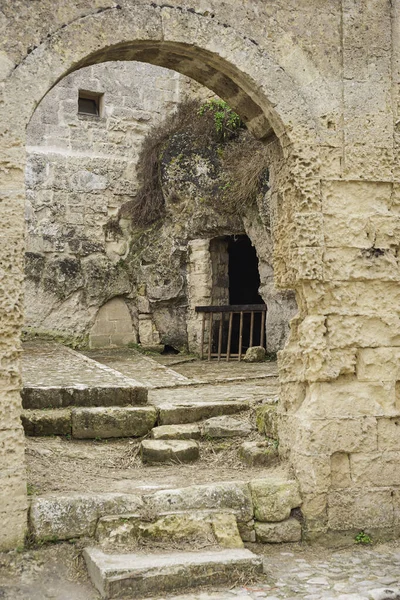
column 363, row 538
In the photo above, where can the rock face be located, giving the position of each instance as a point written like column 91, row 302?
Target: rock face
column 255, row 354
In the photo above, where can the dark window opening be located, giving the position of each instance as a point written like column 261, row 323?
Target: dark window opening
column 89, row 103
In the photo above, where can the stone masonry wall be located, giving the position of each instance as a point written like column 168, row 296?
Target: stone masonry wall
column 80, row 169
column 321, row 79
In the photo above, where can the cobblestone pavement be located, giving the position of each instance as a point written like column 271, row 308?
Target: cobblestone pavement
column 302, row 573
column 317, row 574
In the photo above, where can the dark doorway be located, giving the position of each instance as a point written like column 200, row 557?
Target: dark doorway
column 244, row 278
column 244, row 281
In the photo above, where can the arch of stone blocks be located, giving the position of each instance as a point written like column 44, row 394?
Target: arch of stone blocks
column 333, row 402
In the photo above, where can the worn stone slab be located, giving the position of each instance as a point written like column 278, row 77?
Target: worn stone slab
column 229, row 495
column 274, row 498
column 113, row 421
column 75, row 515
column 165, row 451
column 137, row 575
column 55, row 376
column 278, row 533
column 187, row 431
column 258, row 454
column 171, row 414
column 47, row 422
column 200, row 527
column 225, row 427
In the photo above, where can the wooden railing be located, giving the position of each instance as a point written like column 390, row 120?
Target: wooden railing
column 214, row 330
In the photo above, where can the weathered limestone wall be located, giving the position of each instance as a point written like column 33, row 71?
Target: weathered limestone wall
column 80, row 169
column 324, row 77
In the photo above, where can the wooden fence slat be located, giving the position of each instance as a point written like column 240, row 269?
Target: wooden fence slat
column 220, row 336
column 228, row 346
column 240, row 336
column 262, row 329
column 210, row 334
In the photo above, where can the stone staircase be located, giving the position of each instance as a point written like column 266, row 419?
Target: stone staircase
column 156, row 541
column 172, row 539
column 94, row 401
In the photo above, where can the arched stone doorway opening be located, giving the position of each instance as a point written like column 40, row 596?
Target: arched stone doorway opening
column 230, row 64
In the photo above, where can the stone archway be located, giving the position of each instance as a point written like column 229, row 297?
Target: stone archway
column 319, row 362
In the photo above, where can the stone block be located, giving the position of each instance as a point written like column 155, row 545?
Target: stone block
column 348, row 397
column 340, row 470
column 12, row 449
column 254, row 354
column 319, row 436
column 199, row 527
column 232, row 496
column 360, row 509
column 137, row 575
column 75, row 515
column 247, row 532
column 258, row 454
column 171, row 414
column 14, row 526
column 278, row 533
column 47, row 422
column 375, row 469
column 274, row 498
column 267, row 420
column 225, row 427
column 189, row 431
column 378, row 364
column 356, row 198
column 389, row 434
column 113, row 421
column 167, row 451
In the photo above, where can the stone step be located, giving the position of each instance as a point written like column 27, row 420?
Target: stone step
column 102, row 422
column 206, row 528
column 259, row 454
column 214, row 428
column 190, row 412
column 167, row 451
column 268, row 501
column 184, row 431
column 91, row 422
column 118, row 576
column 57, row 377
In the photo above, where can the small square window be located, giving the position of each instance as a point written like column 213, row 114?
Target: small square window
column 90, row 103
